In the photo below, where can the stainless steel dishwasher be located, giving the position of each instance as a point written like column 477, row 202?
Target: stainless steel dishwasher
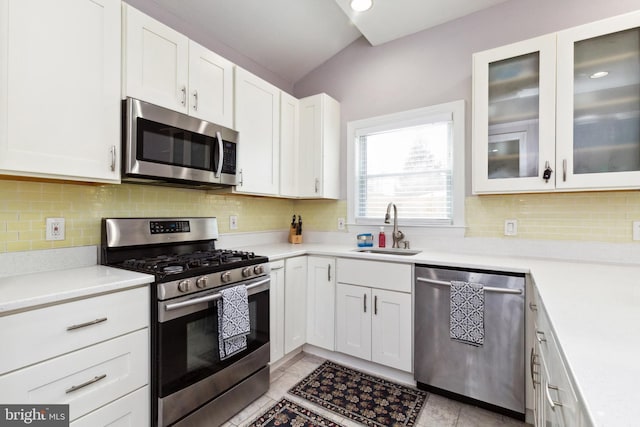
column 491, row 375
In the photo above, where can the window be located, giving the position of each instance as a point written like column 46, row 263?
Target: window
column 414, row 159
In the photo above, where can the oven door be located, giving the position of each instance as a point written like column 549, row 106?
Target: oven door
column 188, row 366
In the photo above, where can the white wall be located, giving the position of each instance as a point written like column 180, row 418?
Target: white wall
column 434, row 66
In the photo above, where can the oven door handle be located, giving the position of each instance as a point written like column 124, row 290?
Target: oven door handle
column 208, row 298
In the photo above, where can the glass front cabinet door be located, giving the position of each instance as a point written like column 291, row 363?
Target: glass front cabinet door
column 514, row 117
column 598, row 102
column 559, row 112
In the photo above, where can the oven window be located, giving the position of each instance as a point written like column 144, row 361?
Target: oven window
column 188, row 345
column 169, row 145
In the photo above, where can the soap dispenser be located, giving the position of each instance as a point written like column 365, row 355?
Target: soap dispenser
column 382, row 239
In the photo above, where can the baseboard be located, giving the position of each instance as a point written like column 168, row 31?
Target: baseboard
column 366, row 366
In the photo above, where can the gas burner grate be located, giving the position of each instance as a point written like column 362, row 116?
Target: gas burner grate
column 178, row 263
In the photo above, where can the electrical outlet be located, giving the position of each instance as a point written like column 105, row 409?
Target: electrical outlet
column 55, row 229
column 233, row 222
column 510, row 227
column 340, row 223
column 636, row 230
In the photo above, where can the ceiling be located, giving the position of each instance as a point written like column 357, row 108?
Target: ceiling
column 292, row 37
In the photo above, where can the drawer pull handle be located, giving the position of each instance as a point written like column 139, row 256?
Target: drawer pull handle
column 533, row 307
column 84, row 325
column 540, row 337
column 552, row 402
column 533, row 362
column 79, row 386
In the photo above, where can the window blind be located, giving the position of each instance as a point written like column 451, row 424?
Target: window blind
column 410, row 166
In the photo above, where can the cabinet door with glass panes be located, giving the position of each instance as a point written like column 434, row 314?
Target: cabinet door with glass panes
column 514, row 117
column 598, row 105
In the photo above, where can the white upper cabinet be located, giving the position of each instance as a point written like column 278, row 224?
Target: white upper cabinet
column 319, row 148
column 210, row 86
column 257, row 112
column 571, row 123
column 289, row 147
column 60, row 89
column 164, row 67
column 514, row 116
column 599, row 105
column 156, row 67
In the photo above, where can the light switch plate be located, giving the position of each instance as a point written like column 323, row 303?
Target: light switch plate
column 340, row 223
column 510, row 227
column 233, row 222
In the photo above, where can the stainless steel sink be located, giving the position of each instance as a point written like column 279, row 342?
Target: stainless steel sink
column 388, row 251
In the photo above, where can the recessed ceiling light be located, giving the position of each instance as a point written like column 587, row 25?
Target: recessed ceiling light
column 361, row 5
column 599, row 74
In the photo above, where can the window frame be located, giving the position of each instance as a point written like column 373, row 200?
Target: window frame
column 455, row 110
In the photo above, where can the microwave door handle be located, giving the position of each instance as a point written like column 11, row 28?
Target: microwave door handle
column 220, row 155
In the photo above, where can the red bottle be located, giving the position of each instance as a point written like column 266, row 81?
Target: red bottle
column 382, row 239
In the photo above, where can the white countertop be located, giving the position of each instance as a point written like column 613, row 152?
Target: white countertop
column 28, row 291
column 594, row 310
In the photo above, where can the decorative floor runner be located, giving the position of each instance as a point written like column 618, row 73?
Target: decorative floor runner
column 360, row 397
column 287, row 413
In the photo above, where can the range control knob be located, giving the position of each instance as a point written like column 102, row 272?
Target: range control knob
column 226, row 276
column 258, row 269
column 246, row 272
column 184, row 286
column 202, row 282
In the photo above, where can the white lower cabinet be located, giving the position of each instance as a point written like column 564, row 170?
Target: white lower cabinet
column 90, row 354
column 321, row 300
column 131, row 410
column 295, row 306
column 276, row 311
column 85, row 379
column 353, row 319
column 374, row 323
column 555, row 399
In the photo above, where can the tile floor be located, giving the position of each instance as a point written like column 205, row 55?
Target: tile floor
column 437, row 412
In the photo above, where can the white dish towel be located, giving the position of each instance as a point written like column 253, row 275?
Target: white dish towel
column 233, row 321
column 466, row 313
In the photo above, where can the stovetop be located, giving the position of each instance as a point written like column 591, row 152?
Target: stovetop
column 177, row 266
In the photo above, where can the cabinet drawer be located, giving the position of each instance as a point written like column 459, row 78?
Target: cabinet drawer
column 85, row 379
column 375, row 274
column 130, row 410
column 560, row 388
column 41, row 334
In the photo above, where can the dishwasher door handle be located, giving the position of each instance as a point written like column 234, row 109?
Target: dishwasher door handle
column 486, row 288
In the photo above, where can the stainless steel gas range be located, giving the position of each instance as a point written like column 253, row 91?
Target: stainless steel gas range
column 191, row 383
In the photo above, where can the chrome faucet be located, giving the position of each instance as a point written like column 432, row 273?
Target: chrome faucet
column 397, row 235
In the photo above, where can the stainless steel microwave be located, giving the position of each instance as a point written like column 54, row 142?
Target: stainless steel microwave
column 161, row 146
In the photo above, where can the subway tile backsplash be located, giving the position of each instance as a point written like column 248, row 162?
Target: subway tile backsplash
column 24, row 205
